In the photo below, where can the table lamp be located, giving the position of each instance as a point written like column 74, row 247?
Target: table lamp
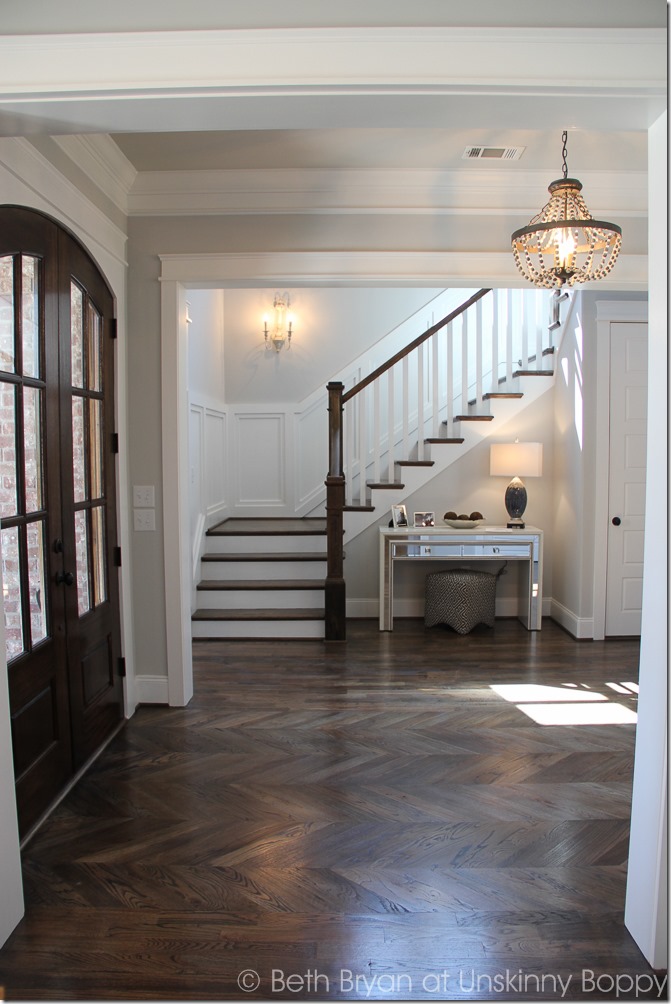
column 516, row 460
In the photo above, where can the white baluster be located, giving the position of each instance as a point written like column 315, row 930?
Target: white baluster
column 405, row 408
column 511, row 362
column 435, row 362
column 449, row 374
column 391, row 423
column 541, row 310
column 376, row 431
column 419, row 352
column 363, row 445
column 478, row 357
column 348, row 437
column 494, row 383
column 463, row 410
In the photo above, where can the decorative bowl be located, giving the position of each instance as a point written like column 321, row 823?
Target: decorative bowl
column 464, row 524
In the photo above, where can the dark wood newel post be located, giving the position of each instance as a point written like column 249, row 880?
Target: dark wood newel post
column 334, row 592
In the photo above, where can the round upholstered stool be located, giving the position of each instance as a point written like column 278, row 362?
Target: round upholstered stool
column 460, row 598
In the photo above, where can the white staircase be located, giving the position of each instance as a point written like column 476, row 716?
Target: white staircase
column 262, row 578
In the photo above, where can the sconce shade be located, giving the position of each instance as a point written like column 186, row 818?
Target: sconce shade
column 281, row 328
column 524, row 460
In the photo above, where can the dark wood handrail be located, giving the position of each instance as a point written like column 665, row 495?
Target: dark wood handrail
column 372, row 377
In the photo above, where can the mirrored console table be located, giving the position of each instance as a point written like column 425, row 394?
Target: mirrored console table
column 485, row 543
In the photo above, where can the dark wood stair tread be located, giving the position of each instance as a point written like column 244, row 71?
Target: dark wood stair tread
column 473, row 418
column 385, row 484
column 443, row 440
column 273, row 614
column 268, row 527
column 268, row 556
column 502, row 395
column 221, row 585
column 415, row 463
column 545, row 373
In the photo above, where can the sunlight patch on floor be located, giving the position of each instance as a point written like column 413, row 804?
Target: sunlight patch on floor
column 569, row 704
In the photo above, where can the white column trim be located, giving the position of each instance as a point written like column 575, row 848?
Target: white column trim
column 175, row 452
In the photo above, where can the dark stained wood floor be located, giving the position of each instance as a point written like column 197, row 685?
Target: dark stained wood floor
column 365, row 820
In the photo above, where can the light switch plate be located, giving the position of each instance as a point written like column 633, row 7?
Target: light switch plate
column 143, row 496
column 144, row 519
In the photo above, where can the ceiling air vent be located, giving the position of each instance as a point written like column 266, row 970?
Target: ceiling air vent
column 493, row 152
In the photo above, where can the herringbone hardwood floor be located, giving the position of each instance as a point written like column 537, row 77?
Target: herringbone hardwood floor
column 366, row 820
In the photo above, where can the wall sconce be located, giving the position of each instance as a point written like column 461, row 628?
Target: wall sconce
column 517, row 460
column 279, row 332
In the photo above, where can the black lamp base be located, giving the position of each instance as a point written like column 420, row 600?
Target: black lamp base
column 516, row 503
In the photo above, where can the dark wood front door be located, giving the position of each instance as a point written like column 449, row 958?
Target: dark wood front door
column 57, row 505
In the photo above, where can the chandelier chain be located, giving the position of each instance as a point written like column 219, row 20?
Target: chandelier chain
column 564, row 137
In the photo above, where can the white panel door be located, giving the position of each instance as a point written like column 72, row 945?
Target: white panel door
column 626, row 486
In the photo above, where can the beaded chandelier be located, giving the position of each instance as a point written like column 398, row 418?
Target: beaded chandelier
column 563, row 245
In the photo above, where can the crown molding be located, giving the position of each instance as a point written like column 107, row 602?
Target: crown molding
column 54, row 194
column 103, row 162
column 469, row 191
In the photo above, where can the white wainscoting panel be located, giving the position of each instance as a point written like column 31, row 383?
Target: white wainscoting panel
column 261, row 459
column 216, row 461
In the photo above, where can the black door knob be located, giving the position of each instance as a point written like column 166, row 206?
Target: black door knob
column 616, row 521
column 64, row 577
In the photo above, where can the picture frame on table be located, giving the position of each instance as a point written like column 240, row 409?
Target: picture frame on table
column 424, row 519
column 399, row 517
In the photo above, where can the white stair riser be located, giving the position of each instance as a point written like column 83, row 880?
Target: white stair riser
column 302, row 543
column 258, row 629
column 260, row 599
column 224, row 571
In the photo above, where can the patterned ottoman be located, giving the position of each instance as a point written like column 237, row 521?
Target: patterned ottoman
column 460, row 598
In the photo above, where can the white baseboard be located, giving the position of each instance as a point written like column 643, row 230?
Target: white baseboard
column 151, row 689
column 579, row 627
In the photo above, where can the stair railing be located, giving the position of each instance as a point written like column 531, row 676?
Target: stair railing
column 441, row 378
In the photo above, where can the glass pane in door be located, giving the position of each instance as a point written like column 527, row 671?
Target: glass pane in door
column 77, row 334
column 32, row 447
column 98, row 555
column 78, row 449
column 30, row 316
column 94, row 325
column 7, row 352
column 96, row 448
column 8, row 497
column 82, row 560
column 11, row 592
column 37, row 580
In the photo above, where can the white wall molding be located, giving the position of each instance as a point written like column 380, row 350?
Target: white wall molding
column 374, row 268
column 165, row 61
column 473, row 190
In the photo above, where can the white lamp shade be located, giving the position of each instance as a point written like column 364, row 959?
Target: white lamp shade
column 522, row 460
